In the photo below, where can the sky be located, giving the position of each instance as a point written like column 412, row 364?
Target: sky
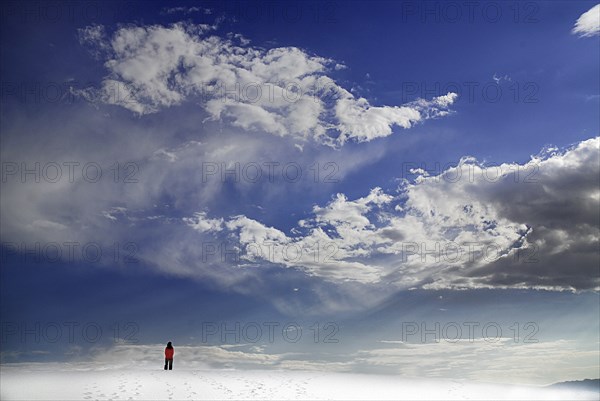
column 403, row 187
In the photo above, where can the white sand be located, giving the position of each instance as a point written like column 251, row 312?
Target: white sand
column 39, row 382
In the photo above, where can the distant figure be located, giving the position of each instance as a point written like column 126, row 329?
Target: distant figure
column 169, row 352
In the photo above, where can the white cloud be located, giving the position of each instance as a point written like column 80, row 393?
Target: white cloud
column 94, row 36
column 499, row 361
column 169, row 163
column 253, row 232
column 503, row 360
column 186, row 10
column 282, row 91
column 47, row 225
column 352, row 242
column 472, row 226
column 201, row 223
column 501, row 78
column 588, row 24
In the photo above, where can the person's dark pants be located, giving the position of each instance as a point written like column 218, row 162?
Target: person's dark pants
column 170, row 363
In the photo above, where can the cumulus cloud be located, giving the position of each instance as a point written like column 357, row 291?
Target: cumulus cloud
column 588, row 24
column 282, row 91
column 532, row 225
column 385, row 239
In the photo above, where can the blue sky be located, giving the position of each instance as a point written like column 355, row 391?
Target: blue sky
column 393, row 131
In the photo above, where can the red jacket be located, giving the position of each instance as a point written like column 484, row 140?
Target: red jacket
column 169, row 352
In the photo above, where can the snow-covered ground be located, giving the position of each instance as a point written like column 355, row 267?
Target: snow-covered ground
column 39, row 382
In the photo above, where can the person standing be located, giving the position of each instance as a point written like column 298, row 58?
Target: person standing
column 169, row 352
